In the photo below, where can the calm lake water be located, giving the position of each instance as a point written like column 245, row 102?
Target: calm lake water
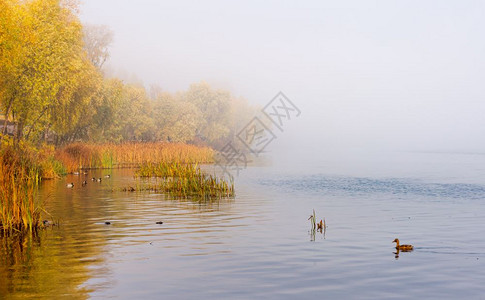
column 259, row 245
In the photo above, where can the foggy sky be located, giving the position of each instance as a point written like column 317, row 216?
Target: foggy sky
column 405, row 75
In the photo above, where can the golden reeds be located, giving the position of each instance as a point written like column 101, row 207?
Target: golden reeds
column 20, row 208
column 86, row 156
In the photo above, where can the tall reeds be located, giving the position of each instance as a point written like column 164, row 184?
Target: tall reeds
column 20, row 208
column 87, row 156
column 186, row 180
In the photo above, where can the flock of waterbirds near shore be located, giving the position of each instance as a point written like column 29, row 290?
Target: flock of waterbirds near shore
column 84, row 183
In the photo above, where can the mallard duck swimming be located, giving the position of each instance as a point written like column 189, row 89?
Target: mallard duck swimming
column 403, row 248
column 99, row 179
column 84, row 183
column 107, row 176
column 70, row 185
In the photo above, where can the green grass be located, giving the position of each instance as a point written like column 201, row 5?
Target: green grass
column 186, row 181
column 107, row 160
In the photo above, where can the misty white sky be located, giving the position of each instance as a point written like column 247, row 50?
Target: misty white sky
column 388, row 74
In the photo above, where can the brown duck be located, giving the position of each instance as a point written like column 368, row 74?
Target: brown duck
column 403, row 248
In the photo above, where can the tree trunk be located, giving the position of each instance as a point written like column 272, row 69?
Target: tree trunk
column 36, row 120
column 19, row 132
column 5, row 124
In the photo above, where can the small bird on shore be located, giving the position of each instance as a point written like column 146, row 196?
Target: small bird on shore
column 403, row 248
column 70, row 185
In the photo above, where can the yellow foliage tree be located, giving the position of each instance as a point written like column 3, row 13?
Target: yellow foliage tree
column 51, row 77
column 11, row 52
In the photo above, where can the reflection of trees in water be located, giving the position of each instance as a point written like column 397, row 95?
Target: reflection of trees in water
column 55, row 261
column 69, row 260
column 37, row 266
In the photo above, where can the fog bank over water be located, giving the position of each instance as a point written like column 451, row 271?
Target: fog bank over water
column 368, row 76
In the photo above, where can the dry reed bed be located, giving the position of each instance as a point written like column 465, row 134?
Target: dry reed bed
column 88, row 156
column 20, row 208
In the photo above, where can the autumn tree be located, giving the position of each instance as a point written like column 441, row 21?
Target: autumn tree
column 46, row 82
column 214, row 107
column 105, row 125
column 97, row 40
column 11, row 53
column 51, row 85
column 175, row 120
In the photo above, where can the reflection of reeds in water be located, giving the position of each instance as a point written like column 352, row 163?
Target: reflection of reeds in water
column 81, row 155
column 20, row 209
column 320, row 226
column 186, row 180
column 36, row 266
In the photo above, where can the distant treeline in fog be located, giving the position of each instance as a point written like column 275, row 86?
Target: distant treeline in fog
column 52, row 87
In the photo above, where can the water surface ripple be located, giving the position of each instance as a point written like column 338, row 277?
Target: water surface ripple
column 258, row 245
